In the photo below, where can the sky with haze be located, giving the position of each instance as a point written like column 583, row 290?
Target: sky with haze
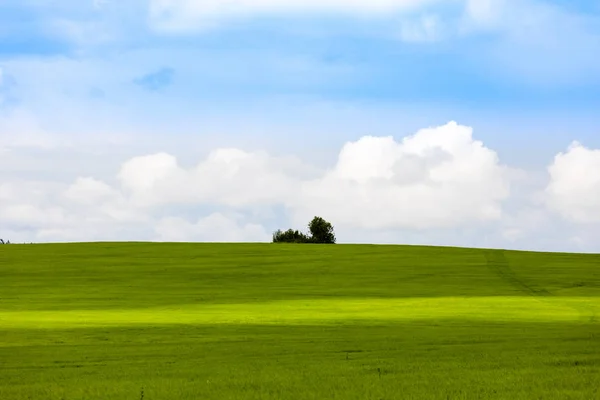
column 449, row 122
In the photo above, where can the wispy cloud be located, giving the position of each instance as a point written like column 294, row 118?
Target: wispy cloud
column 7, row 85
column 427, row 28
column 158, row 80
column 191, row 15
column 537, row 40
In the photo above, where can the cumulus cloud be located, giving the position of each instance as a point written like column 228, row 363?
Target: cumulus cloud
column 98, row 201
column 89, row 191
column 29, row 205
column 574, row 187
column 216, row 227
column 439, row 177
column 228, row 176
column 91, row 210
column 439, row 185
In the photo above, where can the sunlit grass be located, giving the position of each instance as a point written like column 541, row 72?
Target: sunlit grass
column 311, row 312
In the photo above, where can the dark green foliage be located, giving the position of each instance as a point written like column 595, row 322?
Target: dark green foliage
column 321, row 231
column 290, row 236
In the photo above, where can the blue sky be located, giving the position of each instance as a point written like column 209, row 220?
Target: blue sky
column 86, row 86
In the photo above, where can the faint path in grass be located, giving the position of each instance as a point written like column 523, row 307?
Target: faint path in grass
column 497, row 262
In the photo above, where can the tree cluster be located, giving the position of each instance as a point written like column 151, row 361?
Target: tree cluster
column 3, row 242
column 320, row 230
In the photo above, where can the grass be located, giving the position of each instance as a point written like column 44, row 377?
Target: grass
column 261, row 321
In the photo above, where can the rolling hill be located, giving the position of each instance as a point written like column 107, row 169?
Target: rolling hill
column 271, row 321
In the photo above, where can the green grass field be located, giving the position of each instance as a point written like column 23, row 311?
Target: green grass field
column 262, row 321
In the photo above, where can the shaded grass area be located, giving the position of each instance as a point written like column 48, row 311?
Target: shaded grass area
column 257, row 321
column 134, row 275
column 449, row 359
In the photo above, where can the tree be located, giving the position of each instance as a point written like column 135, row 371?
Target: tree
column 321, row 231
column 290, row 236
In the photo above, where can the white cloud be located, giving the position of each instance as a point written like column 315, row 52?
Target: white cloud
column 29, row 204
column 574, row 187
column 177, row 15
column 437, row 186
column 98, row 201
column 18, row 128
column 89, row 191
column 438, row 178
column 215, row 227
column 228, row 176
column 484, row 14
column 141, row 174
column 91, row 210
